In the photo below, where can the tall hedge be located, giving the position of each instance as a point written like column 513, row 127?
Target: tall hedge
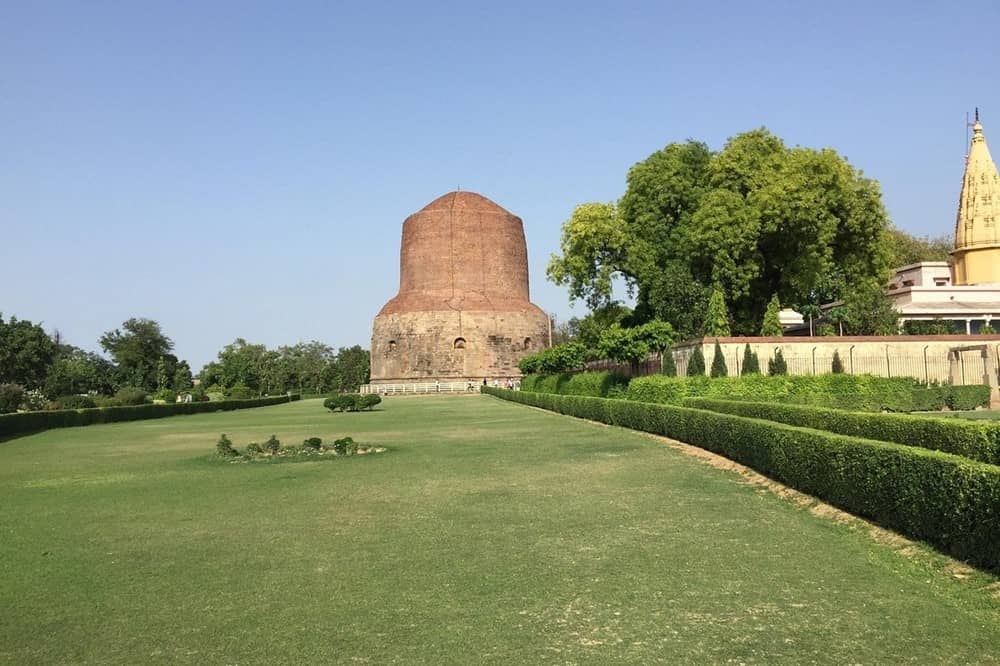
column 28, row 422
column 972, row 439
column 947, row 500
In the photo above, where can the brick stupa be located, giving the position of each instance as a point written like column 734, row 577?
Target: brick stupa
column 463, row 311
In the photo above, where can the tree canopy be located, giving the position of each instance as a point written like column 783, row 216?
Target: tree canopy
column 757, row 218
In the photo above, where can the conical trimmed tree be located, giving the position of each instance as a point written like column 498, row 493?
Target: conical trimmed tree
column 837, row 367
column 716, row 318
column 778, row 365
column 696, row 364
column 719, row 368
column 751, row 364
column 669, row 366
column 771, row 327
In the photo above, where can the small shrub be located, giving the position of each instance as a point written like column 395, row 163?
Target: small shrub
column 312, row 443
column 987, row 329
column 11, row 396
column 751, row 364
column 74, row 402
column 964, row 398
column 224, row 447
column 345, row 446
column 272, row 445
column 368, row 400
column 254, row 449
column 130, row 396
column 343, row 402
column 837, row 367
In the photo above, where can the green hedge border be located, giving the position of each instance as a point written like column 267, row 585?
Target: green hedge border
column 974, row 440
column 13, row 425
column 944, row 499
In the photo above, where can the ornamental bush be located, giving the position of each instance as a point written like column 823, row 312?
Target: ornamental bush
column 696, row 364
column 945, row 499
column 272, row 445
column 368, row 400
column 224, row 447
column 719, row 368
column 312, row 443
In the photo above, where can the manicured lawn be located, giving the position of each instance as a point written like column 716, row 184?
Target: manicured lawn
column 489, row 532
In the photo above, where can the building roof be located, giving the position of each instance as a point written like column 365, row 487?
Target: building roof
column 979, row 203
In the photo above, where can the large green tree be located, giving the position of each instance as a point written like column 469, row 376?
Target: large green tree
column 26, row 351
column 77, row 371
column 141, row 353
column 758, row 218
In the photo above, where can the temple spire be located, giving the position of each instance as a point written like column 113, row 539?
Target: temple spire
column 976, row 257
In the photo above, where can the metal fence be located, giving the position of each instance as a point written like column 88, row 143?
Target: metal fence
column 420, row 388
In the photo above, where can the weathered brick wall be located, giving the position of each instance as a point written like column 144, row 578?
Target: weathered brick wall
column 463, row 276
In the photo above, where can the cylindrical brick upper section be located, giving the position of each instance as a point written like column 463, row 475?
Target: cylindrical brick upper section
column 462, row 252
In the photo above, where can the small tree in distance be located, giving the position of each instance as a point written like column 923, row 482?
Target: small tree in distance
column 719, row 368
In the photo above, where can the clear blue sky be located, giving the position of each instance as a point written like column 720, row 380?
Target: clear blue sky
column 242, row 169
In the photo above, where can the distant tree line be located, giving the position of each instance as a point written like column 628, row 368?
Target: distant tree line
column 244, row 369
column 40, row 371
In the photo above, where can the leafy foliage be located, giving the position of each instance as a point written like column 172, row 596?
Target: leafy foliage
column 757, row 219
column 141, row 353
column 669, row 365
column 716, row 320
column 224, row 447
column 869, row 311
column 555, row 359
column 11, row 396
column 935, row 326
column 601, row 383
column 623, row 345
column 26, row 351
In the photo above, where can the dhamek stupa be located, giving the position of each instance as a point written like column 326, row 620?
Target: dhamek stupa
column 463, row 311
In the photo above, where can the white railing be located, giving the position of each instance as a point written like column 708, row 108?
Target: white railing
column 421, row 388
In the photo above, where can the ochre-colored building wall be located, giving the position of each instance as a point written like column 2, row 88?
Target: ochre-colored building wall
column 463, row 308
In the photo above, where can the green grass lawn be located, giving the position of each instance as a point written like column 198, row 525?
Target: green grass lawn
column 489, row 532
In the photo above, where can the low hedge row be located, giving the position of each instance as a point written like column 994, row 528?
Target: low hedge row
column 863, row 393
column 947, row 500
column 599, row 384
column 972, row 439
column 860, row 392
column 27, row 422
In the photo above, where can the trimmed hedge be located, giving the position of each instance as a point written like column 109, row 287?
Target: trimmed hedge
column 974, row 440
column 860, row 393
column 599, row 384
column 29, row 422
column 947, row 500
